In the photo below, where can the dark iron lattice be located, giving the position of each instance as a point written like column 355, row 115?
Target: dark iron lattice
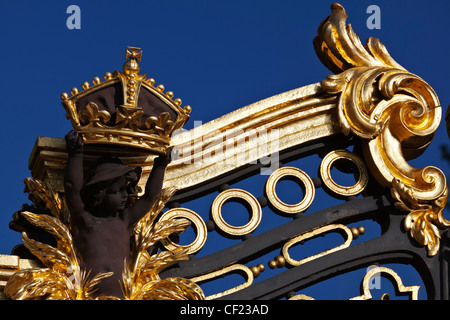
column 393, row 245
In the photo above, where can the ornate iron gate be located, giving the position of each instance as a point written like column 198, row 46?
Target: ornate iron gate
column 367, row 119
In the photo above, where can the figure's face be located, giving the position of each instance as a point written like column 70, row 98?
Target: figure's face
column 116, row 196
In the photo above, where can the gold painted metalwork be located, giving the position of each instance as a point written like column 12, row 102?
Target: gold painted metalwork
column 290, row 172
column 140, row 276
column 235, row 268
column 356, row 232
column 411, row 291
column 278, row 262
column 130, row 128
column 200, row 229
column 301, row 297
column 63, row 279
column 257, row 270
column 232, row 141
column 325, row 173
column 241, row 195
column 312, row 234
column 220, row 146
column 9, row 264
column 394, row 113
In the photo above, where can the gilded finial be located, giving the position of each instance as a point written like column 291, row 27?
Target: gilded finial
column 132, row 66
column 134, row 53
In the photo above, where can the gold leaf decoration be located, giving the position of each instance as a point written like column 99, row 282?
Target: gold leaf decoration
column 44, row 197
column 395, row 114
column 63, row 279
column 339, row 47
column 141, row 279
column 93, row 117
column 123, row 122
column 421, row 222
column 162, row 124
column 128, row 117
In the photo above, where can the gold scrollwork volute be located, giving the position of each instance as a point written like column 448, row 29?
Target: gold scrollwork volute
column 394, row 113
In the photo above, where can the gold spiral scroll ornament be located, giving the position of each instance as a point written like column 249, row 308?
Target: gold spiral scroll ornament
column 285, row 173
column 394, row 114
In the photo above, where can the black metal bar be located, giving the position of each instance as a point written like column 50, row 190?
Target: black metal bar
column 263, row 243
column 393, row 246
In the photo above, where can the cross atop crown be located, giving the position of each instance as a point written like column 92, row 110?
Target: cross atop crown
column 134, row 53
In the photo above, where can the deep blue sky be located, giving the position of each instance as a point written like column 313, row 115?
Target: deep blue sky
column 217, row 56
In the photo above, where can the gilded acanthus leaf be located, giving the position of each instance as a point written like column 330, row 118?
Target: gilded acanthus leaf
column 173, row 289
column 63, row 279
column 36, row 284
column 52, row 225
column 422, row 219
column 147, row 221
column 51, row 257
column 339, row 47
column 395, row 114
column 163, row 229
column 141, row 279
column 162, row 260
column 45, row 198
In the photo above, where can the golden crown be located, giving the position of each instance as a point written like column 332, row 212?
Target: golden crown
column 126, row 109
